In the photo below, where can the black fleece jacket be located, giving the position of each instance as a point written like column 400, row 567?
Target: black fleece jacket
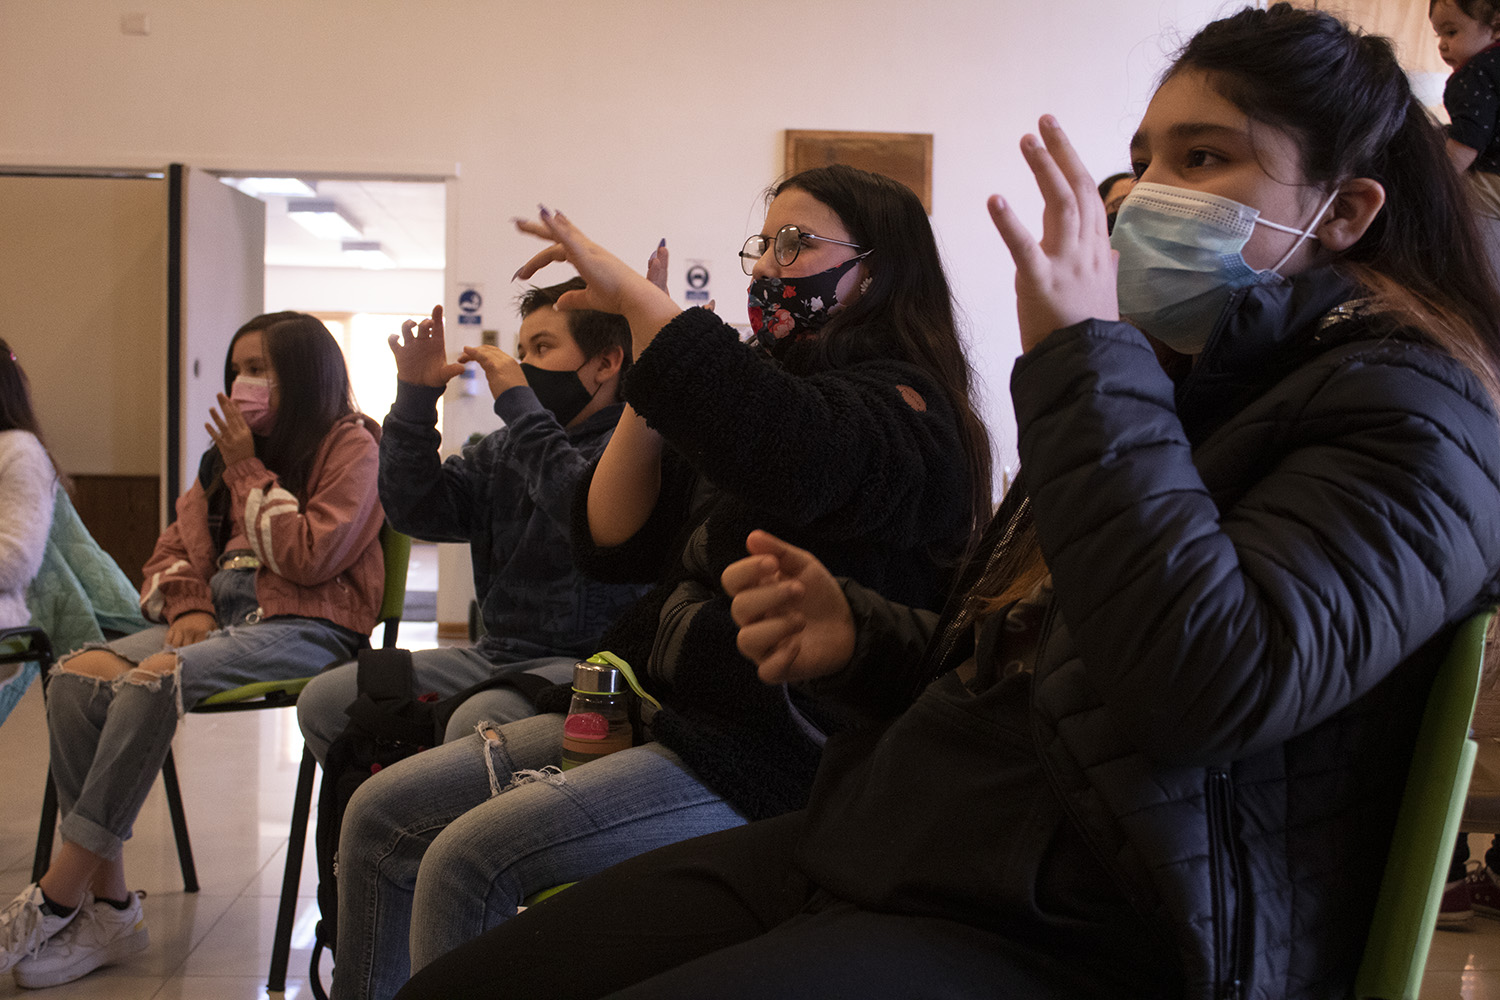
column 862, row 465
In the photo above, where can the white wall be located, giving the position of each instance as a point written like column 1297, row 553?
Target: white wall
column 350, row 289
column 639, row 119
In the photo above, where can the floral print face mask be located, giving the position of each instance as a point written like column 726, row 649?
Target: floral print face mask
column 789, row 309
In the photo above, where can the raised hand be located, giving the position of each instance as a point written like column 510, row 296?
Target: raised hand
column 230, row 434
column 501, row 370
column 613, row 286
column 189, row 628
column 794, row 621
column 422, row 354
column 1070, row 275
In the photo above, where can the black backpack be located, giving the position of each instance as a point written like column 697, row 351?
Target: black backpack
column 388, row 722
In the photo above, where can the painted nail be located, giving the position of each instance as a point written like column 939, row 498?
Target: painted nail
column 543, row 210
column 662, row 243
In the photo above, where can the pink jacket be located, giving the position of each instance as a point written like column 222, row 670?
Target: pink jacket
column 321, row 560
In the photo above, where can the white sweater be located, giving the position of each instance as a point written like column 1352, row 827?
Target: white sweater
column 28, row 484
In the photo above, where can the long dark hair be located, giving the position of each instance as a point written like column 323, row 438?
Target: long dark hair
column 16, row 411
column 906, row 311
column 1347, row 103
column 313, row 391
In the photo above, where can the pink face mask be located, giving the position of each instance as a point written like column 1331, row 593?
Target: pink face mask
column 253, row 396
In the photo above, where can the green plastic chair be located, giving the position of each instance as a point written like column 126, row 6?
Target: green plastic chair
column 1426, row 826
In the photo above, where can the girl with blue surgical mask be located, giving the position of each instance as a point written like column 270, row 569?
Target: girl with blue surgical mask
column 1156, row 743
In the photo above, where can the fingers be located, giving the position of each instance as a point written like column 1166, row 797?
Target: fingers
column 767, row 643
column 486, row 356
column 759, row 604
column 1085, row 193
column 752, row 571
column 790, row 558
column 1018, row 239
column 657, row 265
column 1060, row 217
column 554, row 254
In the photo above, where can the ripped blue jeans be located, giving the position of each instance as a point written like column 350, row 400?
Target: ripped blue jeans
column 445, row 844
column 108, row 739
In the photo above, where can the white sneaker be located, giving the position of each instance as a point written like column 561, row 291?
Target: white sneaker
column 100, row 936
column 24, row 928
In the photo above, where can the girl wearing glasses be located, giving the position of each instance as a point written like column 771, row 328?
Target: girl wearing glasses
column 847, row 423
column 1156, row 746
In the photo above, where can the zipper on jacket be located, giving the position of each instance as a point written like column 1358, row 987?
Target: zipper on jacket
column 1226, row 863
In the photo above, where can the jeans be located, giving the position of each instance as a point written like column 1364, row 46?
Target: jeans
column 109, row 738
column 445, row 671
column 440, row 846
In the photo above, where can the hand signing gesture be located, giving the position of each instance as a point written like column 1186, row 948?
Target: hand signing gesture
column 794, row 621
column 1070, row 275
column 230, row 434
column 613, row 287
column 500, row 369
column 421, row 353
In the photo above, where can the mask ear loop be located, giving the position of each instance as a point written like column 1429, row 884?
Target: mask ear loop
column 1301, row 234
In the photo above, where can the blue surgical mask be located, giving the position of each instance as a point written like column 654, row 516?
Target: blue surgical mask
column 1180, row 260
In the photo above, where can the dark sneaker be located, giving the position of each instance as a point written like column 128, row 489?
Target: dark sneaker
column 1484, row 892
column 1456, row 908
column 100, row 936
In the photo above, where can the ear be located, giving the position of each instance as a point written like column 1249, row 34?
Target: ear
column 1359, row 201
column 611, row 359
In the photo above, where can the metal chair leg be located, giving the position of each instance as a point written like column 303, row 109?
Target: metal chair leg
column 286, row 914
column 46, row 829
column 179, row 824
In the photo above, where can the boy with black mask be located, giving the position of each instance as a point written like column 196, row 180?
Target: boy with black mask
column 509, row 496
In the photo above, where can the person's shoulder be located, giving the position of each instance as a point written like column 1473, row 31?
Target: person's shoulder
column 1480, row 72
column 1383, row 363
column 355, row 433
column 23, row 446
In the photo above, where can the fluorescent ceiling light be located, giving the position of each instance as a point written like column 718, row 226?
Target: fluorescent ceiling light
column 286, row 187
column 324, row 219
column 367, row 253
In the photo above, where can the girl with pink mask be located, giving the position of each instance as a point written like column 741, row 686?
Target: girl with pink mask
column 271, row 569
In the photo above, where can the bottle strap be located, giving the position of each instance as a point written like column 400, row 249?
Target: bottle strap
column 606, row 658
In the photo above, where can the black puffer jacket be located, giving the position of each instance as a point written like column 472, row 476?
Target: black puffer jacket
column 1256, row 572
column 862, row 465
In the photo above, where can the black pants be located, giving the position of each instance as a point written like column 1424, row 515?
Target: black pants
column 730, row 916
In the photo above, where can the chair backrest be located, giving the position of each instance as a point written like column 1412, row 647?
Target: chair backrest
column 1426, row 825
column 397, row 549
column 28, row 650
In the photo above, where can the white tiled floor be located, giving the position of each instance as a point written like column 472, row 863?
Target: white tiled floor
column 238, row 773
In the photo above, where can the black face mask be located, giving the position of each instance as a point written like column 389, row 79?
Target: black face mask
column 561, row 392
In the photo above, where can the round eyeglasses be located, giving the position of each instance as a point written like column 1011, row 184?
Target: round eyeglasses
column 787, row 243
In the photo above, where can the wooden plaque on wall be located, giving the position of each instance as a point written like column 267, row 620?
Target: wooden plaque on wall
column 904, row 156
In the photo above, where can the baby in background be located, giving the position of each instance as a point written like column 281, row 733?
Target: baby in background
column 1467, row 41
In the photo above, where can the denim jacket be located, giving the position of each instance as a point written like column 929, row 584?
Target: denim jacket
column 509, row 497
